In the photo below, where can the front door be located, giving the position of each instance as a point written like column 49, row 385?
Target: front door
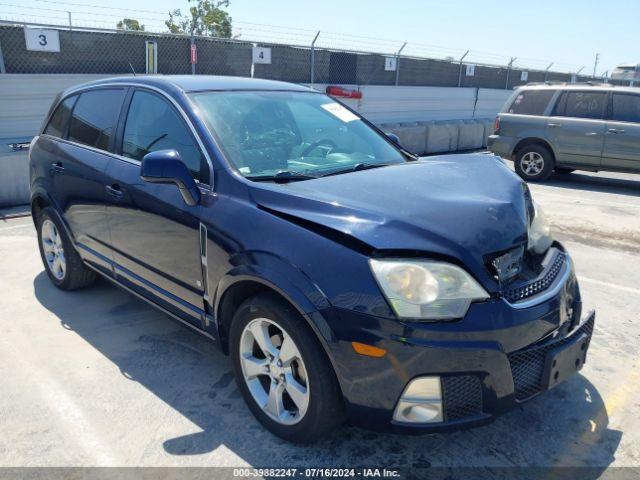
column 622, row 139
column 576, row 127
column 154, row 235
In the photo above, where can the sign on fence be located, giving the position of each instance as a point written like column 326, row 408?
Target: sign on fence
column 390, row 64
column 194, row 54
column 42, row 40
column 151, row 56
column 261, row 55
column 524, row 76
column 471, row 70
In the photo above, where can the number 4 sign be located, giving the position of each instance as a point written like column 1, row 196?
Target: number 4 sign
column 42, row 40
column 261, row 55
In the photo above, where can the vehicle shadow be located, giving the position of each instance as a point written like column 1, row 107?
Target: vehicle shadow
column 595, row 183
column 566, row 427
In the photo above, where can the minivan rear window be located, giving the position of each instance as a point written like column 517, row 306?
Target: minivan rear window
column 94, row 117
column 531, row 102
column 581, row 105
column 57, row 126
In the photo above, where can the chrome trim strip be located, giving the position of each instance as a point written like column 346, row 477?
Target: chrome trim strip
column 552, row 291
column 205, row 271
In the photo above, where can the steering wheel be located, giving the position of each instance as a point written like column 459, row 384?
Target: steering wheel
column 325, row 141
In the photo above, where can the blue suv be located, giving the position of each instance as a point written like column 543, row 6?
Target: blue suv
column 346, row 278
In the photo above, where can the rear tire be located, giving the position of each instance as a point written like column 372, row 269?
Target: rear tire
column 534, row 163
column 315, row 406
column 63, row 264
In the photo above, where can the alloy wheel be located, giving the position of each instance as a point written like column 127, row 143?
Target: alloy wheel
column 53, row 249
column 532, row 163
column 274, row 371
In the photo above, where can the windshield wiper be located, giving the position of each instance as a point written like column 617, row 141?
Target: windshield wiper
column 283, row 176
column 357, row 167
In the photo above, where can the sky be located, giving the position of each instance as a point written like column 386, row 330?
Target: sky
column 566, row 32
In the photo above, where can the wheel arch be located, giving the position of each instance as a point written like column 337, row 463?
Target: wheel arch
column 533, row 141
column 246, row 282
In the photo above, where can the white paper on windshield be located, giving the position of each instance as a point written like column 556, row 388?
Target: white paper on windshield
column 339, row 111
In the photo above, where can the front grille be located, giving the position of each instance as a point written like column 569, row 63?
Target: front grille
column 539, row 285
column 462, row 397
column 527, row 366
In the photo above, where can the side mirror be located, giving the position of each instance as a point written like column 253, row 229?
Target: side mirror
column 166, row 166
column 393, row 137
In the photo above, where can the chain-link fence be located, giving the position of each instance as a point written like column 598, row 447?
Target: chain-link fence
column 100, row 51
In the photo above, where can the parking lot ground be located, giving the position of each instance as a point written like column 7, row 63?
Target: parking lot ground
column 96, row 377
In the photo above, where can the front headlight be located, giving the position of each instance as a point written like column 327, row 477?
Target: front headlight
column 539, row 231
column 426, row 289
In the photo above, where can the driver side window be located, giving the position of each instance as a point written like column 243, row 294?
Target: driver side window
column 153, row 124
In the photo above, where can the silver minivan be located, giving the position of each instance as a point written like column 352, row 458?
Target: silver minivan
column 565, row 127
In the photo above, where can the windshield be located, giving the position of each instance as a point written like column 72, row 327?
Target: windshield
column 299, row 134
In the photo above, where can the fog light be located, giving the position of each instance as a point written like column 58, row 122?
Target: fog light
column 421, row 402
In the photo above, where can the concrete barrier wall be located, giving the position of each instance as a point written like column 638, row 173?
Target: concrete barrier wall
column 14, row 179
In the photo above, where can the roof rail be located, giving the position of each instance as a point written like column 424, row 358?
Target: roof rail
column 590, row 83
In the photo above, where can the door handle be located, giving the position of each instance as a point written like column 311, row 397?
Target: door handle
column 114, row 191
column 615, row 130
column 57, row 167
column 554, row 125
column 591, row 134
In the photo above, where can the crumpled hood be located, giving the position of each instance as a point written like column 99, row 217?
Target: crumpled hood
column 460, row 206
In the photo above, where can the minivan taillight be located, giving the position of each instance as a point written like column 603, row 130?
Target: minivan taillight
column 496, row 126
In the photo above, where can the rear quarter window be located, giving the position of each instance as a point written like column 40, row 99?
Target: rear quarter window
column 57, row 126
column 531, row 102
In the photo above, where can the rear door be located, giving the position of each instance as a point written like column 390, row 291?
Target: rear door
column 576, row 127
column 622, row 137
column 154, row 234
column 79, row 159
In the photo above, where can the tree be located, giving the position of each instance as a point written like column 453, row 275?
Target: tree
column 205, row 17
column 130, row 24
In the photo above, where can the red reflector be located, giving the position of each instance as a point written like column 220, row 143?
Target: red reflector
column 496, row 126
column 343, row 92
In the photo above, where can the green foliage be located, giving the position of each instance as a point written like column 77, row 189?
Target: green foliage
column 205, row 18
column 130, row 24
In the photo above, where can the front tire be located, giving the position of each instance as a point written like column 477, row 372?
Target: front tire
column 534, row 163
column 282, row 371
column 61, row 260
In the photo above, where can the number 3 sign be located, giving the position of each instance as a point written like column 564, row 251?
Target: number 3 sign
column 42, row 40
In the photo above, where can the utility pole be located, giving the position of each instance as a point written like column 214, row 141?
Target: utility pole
column 513, row 59
column 70, row 24
column 595, row 64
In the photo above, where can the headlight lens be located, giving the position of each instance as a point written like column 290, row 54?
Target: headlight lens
column 426, row 289
column 539, row 232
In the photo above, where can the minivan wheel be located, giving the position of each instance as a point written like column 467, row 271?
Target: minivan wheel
column 282, row 371
column 61, row 260
column 534, row 163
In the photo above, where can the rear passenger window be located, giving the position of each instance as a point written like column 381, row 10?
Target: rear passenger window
column 581, row 105
column 531, row 102
column 94, row 117
column 57, row 126
column 626, row 108
column 152, row 124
